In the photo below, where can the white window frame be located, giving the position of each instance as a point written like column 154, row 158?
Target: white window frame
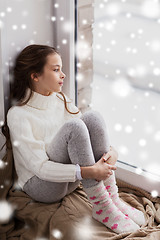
column 67, row 9
column 144, row 180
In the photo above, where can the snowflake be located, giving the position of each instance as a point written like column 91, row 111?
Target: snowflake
column 56, row 5
column 118, row 127
column 153, row 108
column 143, row 155
column 83, row 101
column 113, row 42
column 9, row 9
column 156, row 71
column 134, row 119
column 98, row 46
column 2, row 164
column 128, row 15
column 84, row 21
column 123, row 149
column 154, row 193
column 25, row 13
column 142, row 142
column 150, row 8
column 113, row 9
column 57, row 234
column 1, row 123
column 79, row 77
column 140, row 31
column 16, row 143
column 109, row 26
column 79, row 65
column 84, row 230
column 83, row 49
column 152, row 63
column 64, row 41
column 1, row 24
column 2, row 14
column 138, row 170
column 118, row 71
column 61, row 18
column 155, row 45
column 128, row 129
column 14, row 27
column 132, row 35
column 53, row 18
column 23, row 26
column 101, row 5
column 157, row 136
column 6, row 211
column 121, row 87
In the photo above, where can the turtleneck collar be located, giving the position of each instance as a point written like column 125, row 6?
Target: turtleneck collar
column 40, row 101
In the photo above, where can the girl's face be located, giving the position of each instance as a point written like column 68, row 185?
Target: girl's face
column 51, row 80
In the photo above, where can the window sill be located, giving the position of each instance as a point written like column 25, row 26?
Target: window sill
column 144, row 180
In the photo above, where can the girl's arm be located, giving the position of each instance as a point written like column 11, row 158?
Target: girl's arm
column 30, row 155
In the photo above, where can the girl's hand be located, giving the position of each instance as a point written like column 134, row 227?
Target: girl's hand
column 111, row 156
column 102, row 170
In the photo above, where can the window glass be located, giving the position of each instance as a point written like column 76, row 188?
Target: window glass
column 126, row 81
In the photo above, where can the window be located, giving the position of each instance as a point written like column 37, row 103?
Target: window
column 126, row 83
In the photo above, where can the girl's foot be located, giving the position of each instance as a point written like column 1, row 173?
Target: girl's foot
column 131, row 212
column 106, row 212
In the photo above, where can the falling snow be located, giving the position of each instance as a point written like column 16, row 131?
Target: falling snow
column 154, row 193
column 126, row 78
column 2, row 164
column 84, row 229
column 129, row 58
column 83, row 50
column 6, row 211
column 1, row 123
column 16, row 143
column 57, row 234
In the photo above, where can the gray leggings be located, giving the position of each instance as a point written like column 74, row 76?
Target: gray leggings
column 80, row 141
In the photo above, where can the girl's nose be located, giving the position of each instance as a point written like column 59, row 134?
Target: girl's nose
column 63, row 75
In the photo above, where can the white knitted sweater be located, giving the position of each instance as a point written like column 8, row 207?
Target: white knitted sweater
column 32, row 127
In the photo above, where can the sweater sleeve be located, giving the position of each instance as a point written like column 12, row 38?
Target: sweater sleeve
column 31, row 152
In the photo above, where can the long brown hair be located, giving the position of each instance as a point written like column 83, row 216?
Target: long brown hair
column 31, row 59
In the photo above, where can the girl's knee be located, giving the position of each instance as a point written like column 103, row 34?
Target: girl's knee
column 91, row 116
column 76, row 125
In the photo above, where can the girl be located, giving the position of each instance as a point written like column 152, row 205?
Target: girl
column 55, row 145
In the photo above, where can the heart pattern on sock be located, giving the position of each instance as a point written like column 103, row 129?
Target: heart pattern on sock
column 99, row 212
column 117, row 217
column 136, row 215
column 114, row 226
column 92, row 198
column 106, row 219
column 105, row 211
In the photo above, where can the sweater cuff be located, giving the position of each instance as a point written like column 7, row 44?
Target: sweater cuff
column 78, row 172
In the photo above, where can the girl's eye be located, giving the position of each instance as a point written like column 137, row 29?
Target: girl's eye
column 56, row 70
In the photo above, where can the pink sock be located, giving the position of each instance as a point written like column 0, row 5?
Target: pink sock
column 106, row 212
column 131, row 212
